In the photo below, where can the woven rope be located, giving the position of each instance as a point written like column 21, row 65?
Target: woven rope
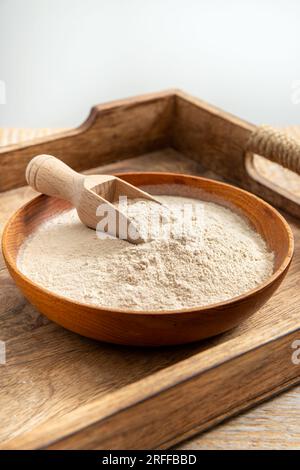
column 275, row 146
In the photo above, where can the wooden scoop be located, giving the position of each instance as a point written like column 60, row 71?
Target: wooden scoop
column 91, row 195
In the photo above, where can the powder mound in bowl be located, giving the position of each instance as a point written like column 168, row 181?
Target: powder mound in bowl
column 196, row 253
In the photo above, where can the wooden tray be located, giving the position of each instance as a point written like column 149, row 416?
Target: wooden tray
column 60, row 390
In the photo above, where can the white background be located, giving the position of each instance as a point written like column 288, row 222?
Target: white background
column 60, row 57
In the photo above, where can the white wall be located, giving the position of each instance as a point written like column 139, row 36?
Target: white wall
column 59, row 57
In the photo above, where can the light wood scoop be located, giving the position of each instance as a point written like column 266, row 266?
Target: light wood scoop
column 51, row 176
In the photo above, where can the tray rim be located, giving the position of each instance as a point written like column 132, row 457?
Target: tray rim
column 176, row 100
column 55, row 432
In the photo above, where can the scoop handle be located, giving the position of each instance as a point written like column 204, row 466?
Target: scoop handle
column 49, row 175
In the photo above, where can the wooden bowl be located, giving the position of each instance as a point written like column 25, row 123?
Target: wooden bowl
column 154, row 328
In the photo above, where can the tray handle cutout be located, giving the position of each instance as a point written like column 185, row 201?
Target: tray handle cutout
column 279, row 148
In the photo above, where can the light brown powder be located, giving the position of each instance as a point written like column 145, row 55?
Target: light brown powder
column 218, row 256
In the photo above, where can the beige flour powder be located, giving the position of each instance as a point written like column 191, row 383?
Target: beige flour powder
column 215, row 256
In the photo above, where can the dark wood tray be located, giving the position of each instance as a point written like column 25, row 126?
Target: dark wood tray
column 60, row 390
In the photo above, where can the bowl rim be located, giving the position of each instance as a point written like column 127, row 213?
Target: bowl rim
column 12, row 264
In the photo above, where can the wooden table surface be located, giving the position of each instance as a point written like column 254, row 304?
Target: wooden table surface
column 271, row 425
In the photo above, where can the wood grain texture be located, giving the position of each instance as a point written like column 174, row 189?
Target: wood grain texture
column 113, row 131
column 165, row 407
column 272, row 425
column 218, row 140
column 42, row 391
column 130, row 127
